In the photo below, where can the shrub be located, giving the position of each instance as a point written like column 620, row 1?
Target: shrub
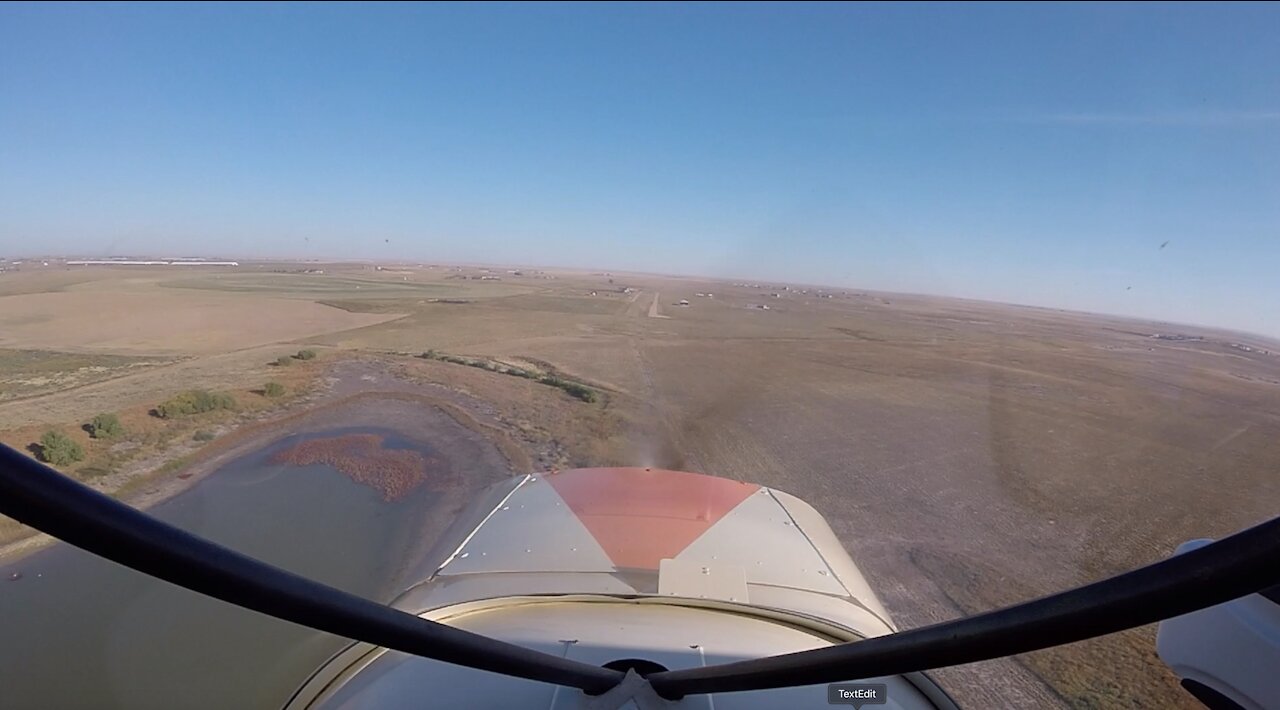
column 195, row 402
column 583, row 393
column 273, row 389
column 105, row 426
column 306, row 355
column 204, row 435
column 284, row 361
column 59, row 449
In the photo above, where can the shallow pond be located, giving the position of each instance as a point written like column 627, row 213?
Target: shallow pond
column 77, row 631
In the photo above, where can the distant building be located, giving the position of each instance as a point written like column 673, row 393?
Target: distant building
column 139, row 262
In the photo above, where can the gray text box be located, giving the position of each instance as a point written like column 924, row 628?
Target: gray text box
column 857, row 694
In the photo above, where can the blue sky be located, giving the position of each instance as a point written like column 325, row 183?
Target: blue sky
column 1034, row 154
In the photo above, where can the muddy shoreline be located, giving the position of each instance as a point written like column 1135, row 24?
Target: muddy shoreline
column 358, row 392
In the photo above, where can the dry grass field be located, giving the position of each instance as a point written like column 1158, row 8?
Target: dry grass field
column 969, row 455
column 141, row 316
column 31, row 373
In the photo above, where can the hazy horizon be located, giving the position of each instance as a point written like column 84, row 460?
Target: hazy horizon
column 1271, row 339
column 1120, row 160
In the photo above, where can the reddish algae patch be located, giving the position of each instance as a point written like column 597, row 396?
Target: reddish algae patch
column 392, row 472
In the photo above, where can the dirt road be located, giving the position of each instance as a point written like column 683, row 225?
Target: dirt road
column 653, row 307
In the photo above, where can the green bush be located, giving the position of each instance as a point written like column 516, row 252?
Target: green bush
column 59, row 449
column 430, row 355
column 284, row 361
column 204, row 435
column 585, row 394
column 582, row 392
column 273, row 389
column 105, row 426
column 306, row 355
column 195, row 402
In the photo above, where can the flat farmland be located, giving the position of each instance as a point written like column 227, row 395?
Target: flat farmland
column 969, row 455
column 30, row 373
column 137, row 316
column 389, row 284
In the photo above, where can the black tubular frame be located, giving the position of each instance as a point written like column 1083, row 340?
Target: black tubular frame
column 39, row 496
column 1244, row 563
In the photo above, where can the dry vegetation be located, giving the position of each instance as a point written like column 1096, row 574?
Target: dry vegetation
column 31, row 373
column 969, row 455
column 150, row 447
column 141, row 316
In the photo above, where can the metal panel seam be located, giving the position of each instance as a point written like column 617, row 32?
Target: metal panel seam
column 453, row 555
